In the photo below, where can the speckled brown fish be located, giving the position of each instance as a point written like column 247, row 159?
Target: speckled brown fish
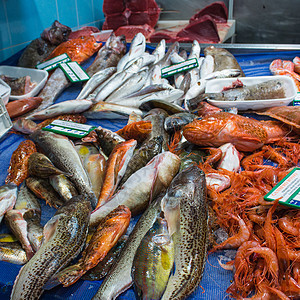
column 58, row 249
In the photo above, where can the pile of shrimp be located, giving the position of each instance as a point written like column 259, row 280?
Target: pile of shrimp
column 265, row 234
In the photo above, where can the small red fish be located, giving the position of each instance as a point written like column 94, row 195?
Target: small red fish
column 78, row 49
column 137, row 130
column 20, row 107
column 18, row 167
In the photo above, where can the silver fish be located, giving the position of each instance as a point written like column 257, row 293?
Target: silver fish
column 62, row 153
column 117, row 80
column 63, row 186
column 207, row 66
column 137, row 48
column 57, row 250
column 109, row 55
column 188, row 189
column 97, row 79
column 140, row 186
column 119, row 277
column 108, row 110
column 65, row 107
column 226, row 73
column 160, row 50
column 131, row 85
column 8, row 197
column 175, row 59
column 147, row 59
column 12, row 252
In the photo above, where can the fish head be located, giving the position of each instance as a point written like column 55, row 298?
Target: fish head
column 57, row 33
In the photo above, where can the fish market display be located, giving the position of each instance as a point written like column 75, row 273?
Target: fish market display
column 179, row 181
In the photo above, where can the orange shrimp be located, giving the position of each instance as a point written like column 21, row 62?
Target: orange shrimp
column 271, row 260
column 174, row 142
column 236, row 240
column 272, row 154
column 287, row 226
column 296, row 271
column 280, row 295
column 253, row 159
column 290, row 286
column 136, row 130
column 215, row 156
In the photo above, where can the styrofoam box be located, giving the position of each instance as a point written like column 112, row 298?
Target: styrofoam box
column 217, row 85
column 38, row 76
column 4, row 91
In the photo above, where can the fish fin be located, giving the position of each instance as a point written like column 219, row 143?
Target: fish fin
column 50, row 228
column 172, row 213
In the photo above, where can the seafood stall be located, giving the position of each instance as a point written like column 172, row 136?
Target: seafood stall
column 150, row 169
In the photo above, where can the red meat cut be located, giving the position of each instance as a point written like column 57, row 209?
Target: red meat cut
column 204, row 30
column 217, row 10
column 129, row 12
column 131, row 30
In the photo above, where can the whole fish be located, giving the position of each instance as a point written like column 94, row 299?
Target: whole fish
column 271, row 89
column 57, row 250
column 22, row 106
column 169, row 95
column 141, row 186
column 115, row 169
column 177, row 121
column 41, row 166
column 62, row 153
column 63, row 186
column 157, row 117
column 103, row 267
column 117, row 80
column 147, row 59
column 166, row 60
column 43, row 190
column 189, row 190
column 109, row 55
column 95, row 166
column 170, row 108
column 138, row 131
column 18, row 226
column 107, row 139
column 97, row 79
column 18, row 165
column 142, row 156
column 27, row 200
column 131, row 85
column 207, row 66
column 185, row 83
column 176, row 59
column 111, row 228
column 137, row 48
column 153, row 262
column 12, row 252
column 223, row 59
column 65, row 107
column 195, row 53
column 8, row 197
column 107, row 110
column 119, row 277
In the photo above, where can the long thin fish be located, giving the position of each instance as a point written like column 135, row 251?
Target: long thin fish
column 188, row 189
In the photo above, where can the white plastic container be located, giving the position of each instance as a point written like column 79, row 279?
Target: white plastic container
column 5, row 121
column 217, row 85
column 38, row 76
column 4, row 91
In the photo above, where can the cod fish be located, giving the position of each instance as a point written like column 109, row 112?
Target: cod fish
column 62, row 153
column 153, row 262
column 108, row 232
column 119, row 278
column 185, row 201
column 65, row 235
column 141, row 186
column 8, row 197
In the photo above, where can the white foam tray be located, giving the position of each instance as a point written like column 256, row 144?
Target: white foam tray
column 4, row 91
column 39, row 76
column 217, row 85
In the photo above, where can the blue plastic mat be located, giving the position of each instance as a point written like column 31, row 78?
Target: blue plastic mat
column 215, row 280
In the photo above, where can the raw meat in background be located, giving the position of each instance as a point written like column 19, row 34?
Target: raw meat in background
column 129, row 12
column 83, row 31
column 131, row 30
column 217, row 10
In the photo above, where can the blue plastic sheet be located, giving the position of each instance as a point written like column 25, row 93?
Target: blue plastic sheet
column 215, row 280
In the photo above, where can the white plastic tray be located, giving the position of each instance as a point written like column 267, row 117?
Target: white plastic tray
column 4, row 91
column 39, row 76
column 217, row 85
column 5, row 121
